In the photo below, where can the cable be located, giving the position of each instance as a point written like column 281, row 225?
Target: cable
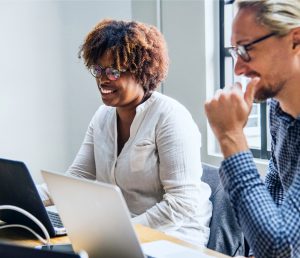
column 25, row 227
column 46, row 241
column 30, row 216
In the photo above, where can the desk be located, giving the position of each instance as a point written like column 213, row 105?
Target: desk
column 144, row 234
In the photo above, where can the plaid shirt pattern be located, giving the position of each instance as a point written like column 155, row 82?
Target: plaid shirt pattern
column 269, row 211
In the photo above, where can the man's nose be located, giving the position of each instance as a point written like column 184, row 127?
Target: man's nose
column 240, row 66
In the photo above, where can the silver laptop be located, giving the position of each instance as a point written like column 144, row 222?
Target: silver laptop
column 98, row 221
column 95, row 215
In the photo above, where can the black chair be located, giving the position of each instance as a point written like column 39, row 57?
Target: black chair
column 225, row 234
column 14, row 251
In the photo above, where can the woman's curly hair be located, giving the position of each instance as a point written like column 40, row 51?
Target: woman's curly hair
column 137, row 47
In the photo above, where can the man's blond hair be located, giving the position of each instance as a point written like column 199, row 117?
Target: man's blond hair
column 280, row 16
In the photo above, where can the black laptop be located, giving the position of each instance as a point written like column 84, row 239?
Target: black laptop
column 13, row 251
column 17, row 188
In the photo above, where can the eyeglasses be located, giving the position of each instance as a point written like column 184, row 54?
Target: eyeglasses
column 242, row 50
column 111, row 73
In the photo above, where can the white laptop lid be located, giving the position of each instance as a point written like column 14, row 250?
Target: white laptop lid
column 95, row 215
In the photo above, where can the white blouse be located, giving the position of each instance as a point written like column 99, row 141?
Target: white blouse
column 158, row 169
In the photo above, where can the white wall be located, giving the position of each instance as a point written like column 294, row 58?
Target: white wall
column 46, row 95
column 183, row 27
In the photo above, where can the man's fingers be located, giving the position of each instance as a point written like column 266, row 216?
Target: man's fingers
column 237, row 85
column 218, row 93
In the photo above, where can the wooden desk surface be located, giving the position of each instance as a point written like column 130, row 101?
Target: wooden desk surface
column 144, row 234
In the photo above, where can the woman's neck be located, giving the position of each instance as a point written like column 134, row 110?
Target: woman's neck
column 126, row 116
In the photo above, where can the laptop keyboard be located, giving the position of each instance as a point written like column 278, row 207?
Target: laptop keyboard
column 55, row 219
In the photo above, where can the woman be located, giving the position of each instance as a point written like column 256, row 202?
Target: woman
column 142, row 141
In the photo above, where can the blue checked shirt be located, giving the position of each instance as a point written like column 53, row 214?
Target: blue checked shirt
column 269, row 212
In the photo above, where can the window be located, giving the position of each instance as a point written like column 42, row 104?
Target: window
column 256, row 129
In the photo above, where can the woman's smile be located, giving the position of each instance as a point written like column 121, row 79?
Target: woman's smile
column 107, row 91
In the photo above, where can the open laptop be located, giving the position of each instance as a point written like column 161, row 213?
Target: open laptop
column 97, row 218
column 18, row 189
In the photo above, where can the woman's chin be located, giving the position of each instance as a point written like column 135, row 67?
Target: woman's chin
column 108, row 103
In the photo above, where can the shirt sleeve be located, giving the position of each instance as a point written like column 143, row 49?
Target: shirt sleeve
column 272, row 180
column 186, row 197
column 273, row 183
column 45, row 195
column 84, row 163
column 271, row 230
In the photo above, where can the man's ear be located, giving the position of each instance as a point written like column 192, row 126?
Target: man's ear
column 296, row 38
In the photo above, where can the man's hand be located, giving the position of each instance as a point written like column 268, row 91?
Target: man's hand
column 227, row 113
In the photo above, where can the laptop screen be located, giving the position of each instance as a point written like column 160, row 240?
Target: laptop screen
column 18, row 189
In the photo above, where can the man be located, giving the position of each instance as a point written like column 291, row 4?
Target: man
column 266, row 40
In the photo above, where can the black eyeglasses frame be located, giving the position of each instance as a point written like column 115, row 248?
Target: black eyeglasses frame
column 242, row 50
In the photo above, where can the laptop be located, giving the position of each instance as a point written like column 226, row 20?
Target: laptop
column 18, row 189
column 95, row 215
column 97, row 219
column 13, row 251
